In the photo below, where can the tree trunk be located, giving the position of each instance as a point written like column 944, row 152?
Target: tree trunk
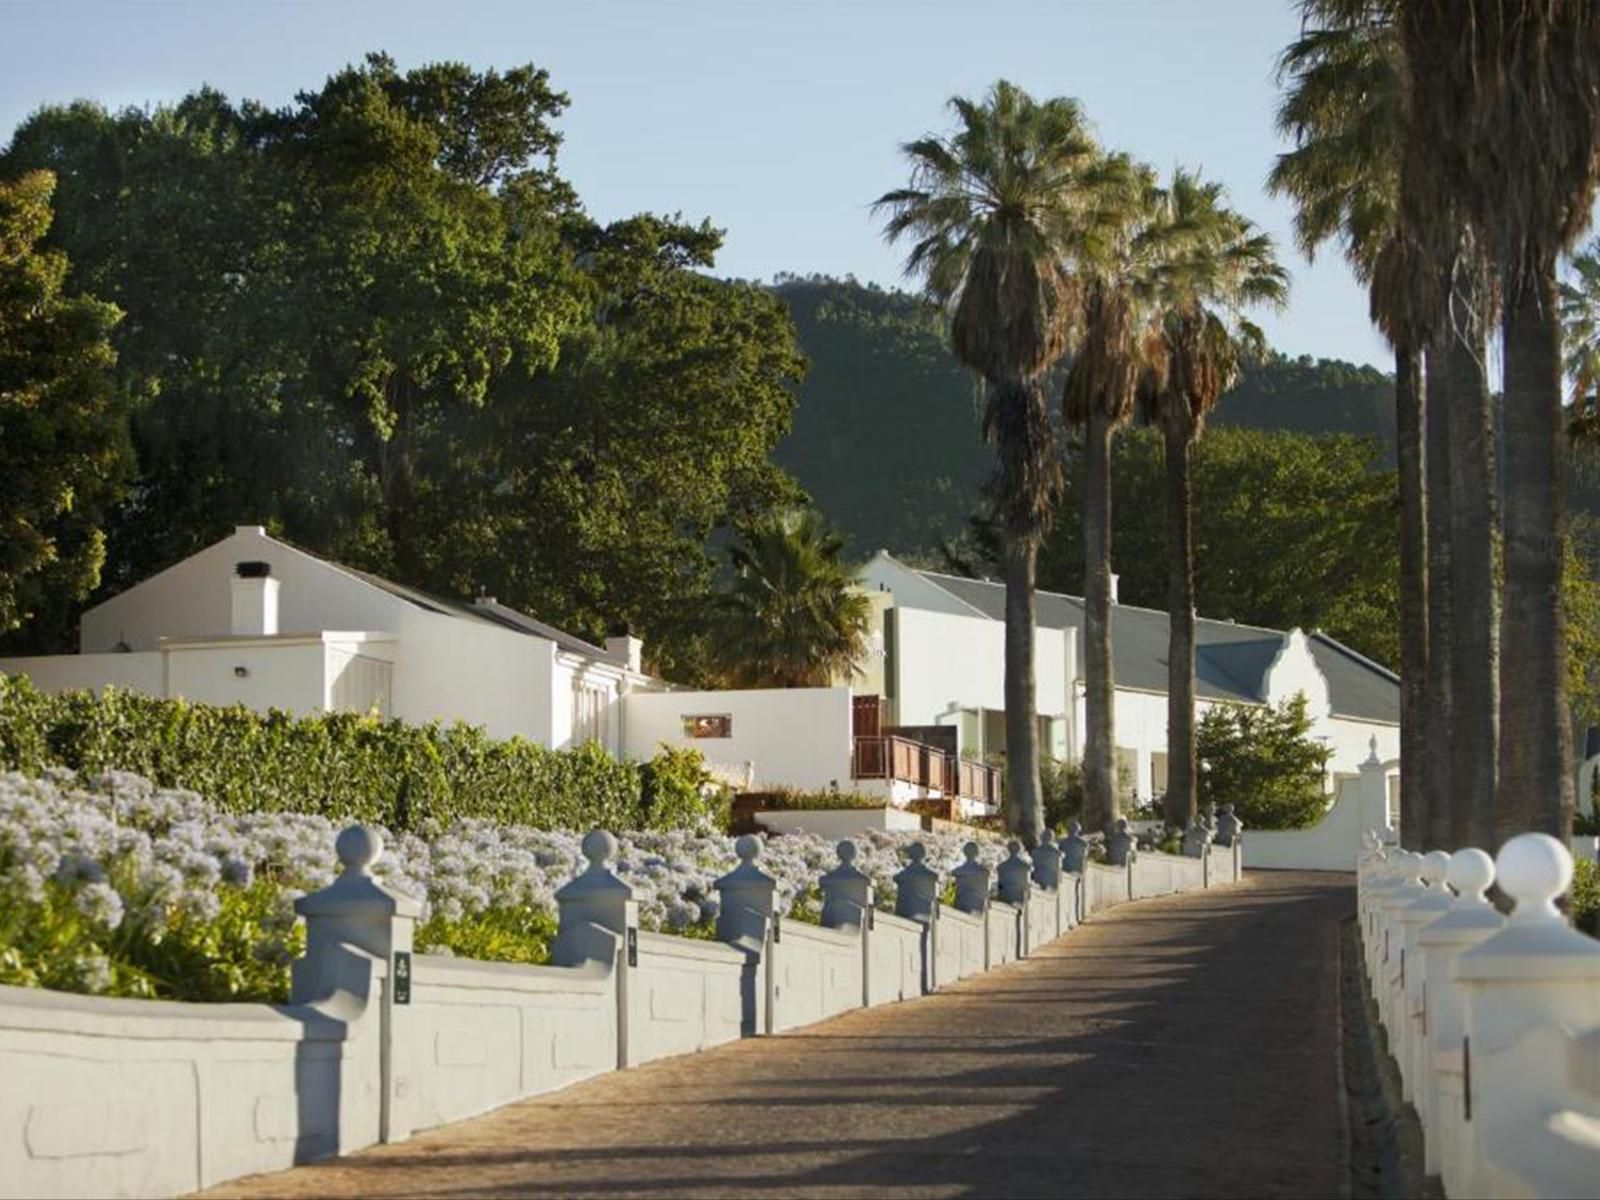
column 1180, row 799
column 1099, row 755
column 1441, row 648
column 1024, row 804
column 1414, row 746
column 1536, row 786
column 1475, row 632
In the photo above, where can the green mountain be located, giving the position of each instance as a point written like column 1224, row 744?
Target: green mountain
column 886, row 434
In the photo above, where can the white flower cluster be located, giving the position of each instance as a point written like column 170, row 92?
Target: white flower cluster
column 130, row 851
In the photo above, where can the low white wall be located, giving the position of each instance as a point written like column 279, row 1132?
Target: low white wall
column 839, row 822
column 1103, row 886
column 151, row 1098
column 1004, row 933
column 815, row 973
column 484, row 1034
column 139, row 672
column 684, row 995
column 145, row 1098
column 962, row 944
column 794, row 737
column 895, row 950
column 1333, row 843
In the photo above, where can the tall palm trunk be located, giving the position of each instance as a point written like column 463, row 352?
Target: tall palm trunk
column 1024, row 804
column 1414, row 746
column 1536, row 786
column 1099, row 756
column 1475, row 661
column 1438, row 783
column 1181, row 797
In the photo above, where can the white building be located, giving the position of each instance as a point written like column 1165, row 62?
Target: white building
column 943, row 640
column 255, row 621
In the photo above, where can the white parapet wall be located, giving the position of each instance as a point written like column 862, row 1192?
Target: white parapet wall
column 781, row 737
column 141, row 1098
column 838, row 822
column 1334, row 842
column 1494, row 1024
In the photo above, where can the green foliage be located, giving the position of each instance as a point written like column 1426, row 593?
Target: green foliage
column 519, row 934
column 379, row 322
column 344, row 766
column 63, row 451
column 1061, row 783
column 792, row 616
column 242, row 952
column 1262, row 761
column 886, row 433
column 797, row 800
column 1586, row 896
column 1288, row 531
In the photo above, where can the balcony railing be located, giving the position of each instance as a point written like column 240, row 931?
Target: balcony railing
column 889, row 756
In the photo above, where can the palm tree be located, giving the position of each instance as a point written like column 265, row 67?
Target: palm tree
column 995, row 212
column 1213, row 265
column 1344, row 108
column 1505, row 117
column 1580, row 337
column 1349, row 109
column 1117, row 284
column 793, row 616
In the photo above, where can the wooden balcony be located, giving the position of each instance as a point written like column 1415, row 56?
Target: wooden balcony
column 906, row 760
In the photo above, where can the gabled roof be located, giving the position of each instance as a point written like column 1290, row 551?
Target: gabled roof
column 1231, row 660
column 485, row 609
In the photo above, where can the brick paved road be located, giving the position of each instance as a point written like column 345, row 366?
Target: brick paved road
column 1177, row 1047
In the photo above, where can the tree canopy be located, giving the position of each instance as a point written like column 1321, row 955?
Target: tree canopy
column 379, row 321
column 62, row 449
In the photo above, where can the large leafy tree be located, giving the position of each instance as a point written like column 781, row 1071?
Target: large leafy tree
column 1344, row 108
column 378, row 321
column 996, row 213
column 1504, row 119
column 1580, row 337
column 1289, row 530
column 63, row 450
column 1215, row 265
column 793, row 615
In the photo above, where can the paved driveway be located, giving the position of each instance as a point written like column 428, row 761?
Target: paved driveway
column 1177, row 1047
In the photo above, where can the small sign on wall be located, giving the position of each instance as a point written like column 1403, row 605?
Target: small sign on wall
column 402, row 977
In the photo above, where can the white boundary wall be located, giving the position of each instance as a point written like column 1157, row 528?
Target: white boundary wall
column 120, row 1097
column 1333, row 843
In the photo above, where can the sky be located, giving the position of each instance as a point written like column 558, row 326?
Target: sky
column 780, row 120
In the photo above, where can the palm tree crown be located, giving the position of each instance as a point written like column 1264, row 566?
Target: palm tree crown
column 793, row 616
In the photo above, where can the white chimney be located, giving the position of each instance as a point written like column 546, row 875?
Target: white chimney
column 627, row 650
column 255, row 600
column 1114, row 578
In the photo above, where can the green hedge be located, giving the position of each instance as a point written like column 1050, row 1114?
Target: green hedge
column 344, row 766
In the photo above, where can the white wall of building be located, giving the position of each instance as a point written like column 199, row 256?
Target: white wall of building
column 794, row 737
column 290, row 674
column 193, row 599
column 448, row 669
column 944, row 663
column 140, row 672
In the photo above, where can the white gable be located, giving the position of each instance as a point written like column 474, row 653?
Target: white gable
column 911, row 588
column 193, row 598
column 1295, row 671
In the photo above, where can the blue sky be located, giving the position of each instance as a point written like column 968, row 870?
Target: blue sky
column 778, row 119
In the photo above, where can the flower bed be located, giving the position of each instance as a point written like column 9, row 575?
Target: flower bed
column 110, row 884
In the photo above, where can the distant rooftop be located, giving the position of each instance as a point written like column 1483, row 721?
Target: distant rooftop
column 1230, row 659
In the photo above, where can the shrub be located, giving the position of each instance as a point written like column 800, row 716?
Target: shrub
column 1262, row 761
column 799, row 800
column 1586, row 896
column 346, row 766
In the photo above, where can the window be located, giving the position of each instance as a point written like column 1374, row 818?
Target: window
column 708, row 725
column 1158, row 773
column 1127, row 773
